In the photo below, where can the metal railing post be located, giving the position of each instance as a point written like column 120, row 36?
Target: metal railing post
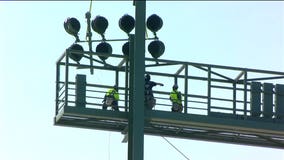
column 234, row 97
column 209, row 91
column 66, row 77
column 126, row 84
column 245, row 92
column 185, row 88
column 57, row 88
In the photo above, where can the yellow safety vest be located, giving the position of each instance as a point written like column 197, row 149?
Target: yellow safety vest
column 113, row 92
column 176, row 97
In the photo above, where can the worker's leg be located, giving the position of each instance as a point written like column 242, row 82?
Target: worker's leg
column 175, row 107
column 115, row 105
column 104, row 106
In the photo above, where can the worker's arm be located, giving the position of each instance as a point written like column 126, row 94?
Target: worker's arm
column 160, row 84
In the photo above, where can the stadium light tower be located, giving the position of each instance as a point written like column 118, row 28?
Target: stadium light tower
column 134, row 51
column 252, row 113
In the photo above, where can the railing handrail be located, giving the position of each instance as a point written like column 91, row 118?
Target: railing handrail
column 173, row 62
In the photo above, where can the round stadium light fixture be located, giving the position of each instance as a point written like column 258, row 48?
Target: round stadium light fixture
column 104, row 48
column 156, row 48
column 125, row 49
column 99, row 25
column 72, row 26
column 74, row 56
column 126, row 23
column 154, row 23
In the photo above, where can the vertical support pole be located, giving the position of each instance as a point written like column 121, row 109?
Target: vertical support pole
column 116, row 82
column 209, row 91
column 137, row 65
column 234, row 97
column 116, row 77
column 185, row 88
column 66, row 77
column 175, row 80
column 131, row 103
column 57, row 87
column 126, row 92
column 245, row 93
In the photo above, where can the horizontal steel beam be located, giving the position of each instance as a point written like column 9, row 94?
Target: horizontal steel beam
column 160, row 123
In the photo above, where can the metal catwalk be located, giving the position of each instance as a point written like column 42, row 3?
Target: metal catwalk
column 221, row 103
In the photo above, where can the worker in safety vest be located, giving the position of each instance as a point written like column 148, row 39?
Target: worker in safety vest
column 150, row 102
column 111, row 98
column 176, row 99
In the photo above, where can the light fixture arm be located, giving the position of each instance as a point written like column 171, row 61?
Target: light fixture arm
column 77, row 38
column 155, row 36
column 89, row 39
column 89, row 32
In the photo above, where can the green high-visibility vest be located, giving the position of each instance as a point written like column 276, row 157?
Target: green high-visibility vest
column 114, row 93
column 176, row 97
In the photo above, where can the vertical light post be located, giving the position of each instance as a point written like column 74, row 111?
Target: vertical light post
column 134, row 50
column 137, row 70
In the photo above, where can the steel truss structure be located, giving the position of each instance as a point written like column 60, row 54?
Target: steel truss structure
column 222, row 112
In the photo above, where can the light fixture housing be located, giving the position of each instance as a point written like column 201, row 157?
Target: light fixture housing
column 74, row 56
column 125, row 49
column 99, row 24
column 72, row 26
column 104, row 48
column 156, row 48
column 154, row 23
column 126, row 23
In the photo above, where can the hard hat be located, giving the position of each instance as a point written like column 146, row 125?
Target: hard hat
column 175, row 86
column 147, row 77
column 115, row 87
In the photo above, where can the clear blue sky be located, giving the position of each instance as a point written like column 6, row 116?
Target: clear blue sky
column 32, row 37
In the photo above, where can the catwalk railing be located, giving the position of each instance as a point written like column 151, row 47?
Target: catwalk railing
column 215, row 91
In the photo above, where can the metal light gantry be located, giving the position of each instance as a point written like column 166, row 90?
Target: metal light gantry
column 230, row 123
column 210, row 116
